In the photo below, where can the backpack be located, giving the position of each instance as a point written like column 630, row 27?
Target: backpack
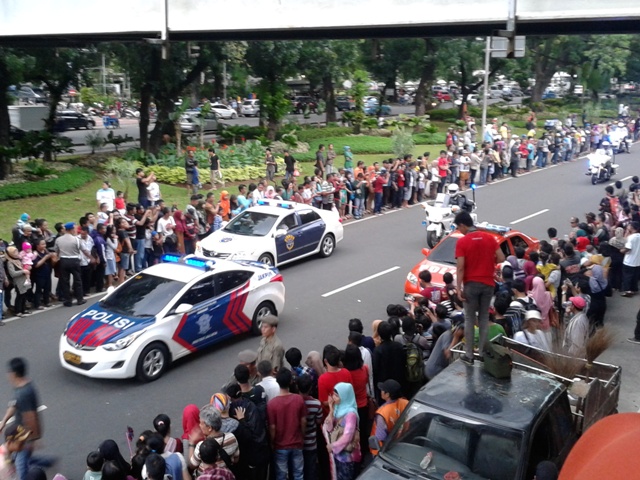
column 415, row 367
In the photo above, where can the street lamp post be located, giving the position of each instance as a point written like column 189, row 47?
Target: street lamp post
column 487, row 56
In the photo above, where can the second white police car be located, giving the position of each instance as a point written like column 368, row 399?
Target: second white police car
column 275, row 232
column 168, row 311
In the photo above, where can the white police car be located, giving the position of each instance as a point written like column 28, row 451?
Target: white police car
column 168, row 311
column 275, row 232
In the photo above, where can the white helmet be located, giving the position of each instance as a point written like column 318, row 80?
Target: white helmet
column 606, row 143
column 452, row 188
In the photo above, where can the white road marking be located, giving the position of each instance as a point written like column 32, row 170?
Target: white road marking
column 529, row 216
column 40, row 409
column 621, row 180
column 366, row 279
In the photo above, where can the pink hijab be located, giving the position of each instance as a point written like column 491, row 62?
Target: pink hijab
column 543, row 299
column 530, row 271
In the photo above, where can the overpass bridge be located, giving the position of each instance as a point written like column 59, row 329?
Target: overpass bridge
column 74, row 22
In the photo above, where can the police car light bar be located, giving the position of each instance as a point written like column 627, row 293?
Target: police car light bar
column 280, row 204
column 190, row 260
column 493, row 228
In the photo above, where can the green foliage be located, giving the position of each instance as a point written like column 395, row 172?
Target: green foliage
column 65, row 182
column 402, row 142
column 250, row 153
column 429, row 138
column 315, row 133
column 360, row 145
column 37, row 143
column 116, row 141
column 94, row 140
column 122, row 170
column 291, row 139
column 34, row 167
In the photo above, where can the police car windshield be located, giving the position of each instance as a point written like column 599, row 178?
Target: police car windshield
column 252, row 224
column 143, row 296
column 445, row 251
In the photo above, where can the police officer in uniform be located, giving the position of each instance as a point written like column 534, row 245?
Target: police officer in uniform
column 69, row 251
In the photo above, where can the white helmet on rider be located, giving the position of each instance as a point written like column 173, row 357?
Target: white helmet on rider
column 452, row 188
column 606, row 143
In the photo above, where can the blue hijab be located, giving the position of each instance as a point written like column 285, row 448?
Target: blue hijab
column 347, row 400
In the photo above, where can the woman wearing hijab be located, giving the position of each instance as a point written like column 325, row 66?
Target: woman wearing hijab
column 597, row 285
column 543, row 300
column 530, row 271
column 21, row 282
column 179, row 229
column 110, row 451
column 222, row 402
column 341, row 430
column 190, row 423
column 615, row 270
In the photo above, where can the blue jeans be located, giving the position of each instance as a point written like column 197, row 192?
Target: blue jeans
column 483, row 175
column 476, row 305
column 378, row 205
column 289, row 461
column 139, row 258
column 21, row 461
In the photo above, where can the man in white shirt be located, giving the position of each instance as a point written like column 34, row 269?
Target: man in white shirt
column 631, row 261
column 106, row 195
column 268, row 382
column 258, row 194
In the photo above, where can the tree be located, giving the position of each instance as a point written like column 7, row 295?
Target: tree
column 58, row 69
column 323, row 62
column 273, row 62
column 605, row 57
column 549, row 54
column 12, row 67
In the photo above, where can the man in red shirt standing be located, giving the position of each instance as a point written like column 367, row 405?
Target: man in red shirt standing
column 476, row 256
column 443, row 169
column 378, row 188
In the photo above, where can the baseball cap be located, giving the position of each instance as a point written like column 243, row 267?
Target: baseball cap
column 533, row 314
column 390, row 386
column 578, row 302
column 69, row 225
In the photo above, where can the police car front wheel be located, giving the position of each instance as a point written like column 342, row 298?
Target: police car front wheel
column 327, row 246
column 266, row 259
column 152, row 362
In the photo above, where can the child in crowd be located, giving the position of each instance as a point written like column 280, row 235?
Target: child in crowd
column 153, row 190
column 27, row 257
column 120, row 202
column 196, row 178
column 344, row 198
column 103, row 214
column 95, row 460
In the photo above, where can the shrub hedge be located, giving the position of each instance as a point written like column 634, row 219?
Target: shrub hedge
column 65, row 182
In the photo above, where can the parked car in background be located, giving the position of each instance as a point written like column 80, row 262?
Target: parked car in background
column 300, row 104
column 373, row 108
column 442, row 95
column 250, row 108
column 344, row 103
column 224, row 111
column 549, row 95
column 70, row 119
column 193, row 121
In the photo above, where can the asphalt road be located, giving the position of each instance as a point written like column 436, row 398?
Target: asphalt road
column 366, row 272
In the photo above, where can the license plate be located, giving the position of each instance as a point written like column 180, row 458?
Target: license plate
column 72, row 358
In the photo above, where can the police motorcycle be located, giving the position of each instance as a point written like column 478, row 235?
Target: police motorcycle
column 601, row 166
column 440, row 214
column 619, row 138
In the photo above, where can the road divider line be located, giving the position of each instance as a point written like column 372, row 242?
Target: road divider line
column 621, row 180
column 529, row 216
column 366, row 279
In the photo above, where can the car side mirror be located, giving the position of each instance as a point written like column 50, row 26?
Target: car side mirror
column 426, row 251
column 183, row 308
column 374, row 443
column 281, row 232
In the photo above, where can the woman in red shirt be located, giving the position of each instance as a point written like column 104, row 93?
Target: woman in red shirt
column 353, row 362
